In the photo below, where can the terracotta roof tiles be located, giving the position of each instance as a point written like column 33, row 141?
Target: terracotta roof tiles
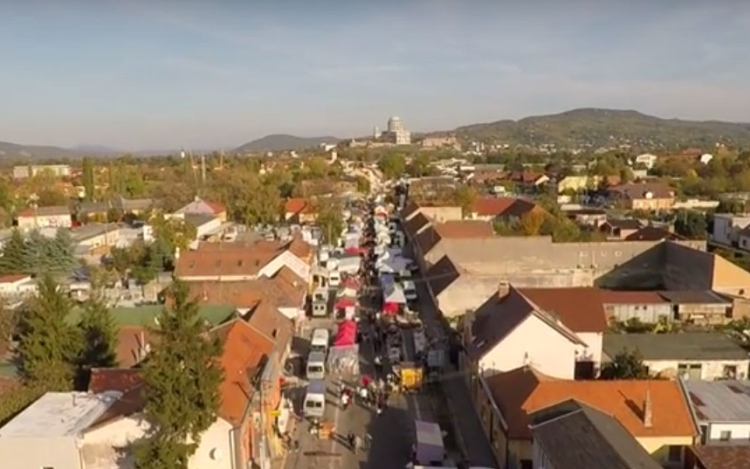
column 580, row 309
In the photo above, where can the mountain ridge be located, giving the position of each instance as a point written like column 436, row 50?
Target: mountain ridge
column 280, row 142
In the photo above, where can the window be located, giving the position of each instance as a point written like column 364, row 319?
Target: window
column 527, row 464
column 730, row 371
column 725, row 435
column 675, row 453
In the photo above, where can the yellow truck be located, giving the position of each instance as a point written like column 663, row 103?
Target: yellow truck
column 412, row 376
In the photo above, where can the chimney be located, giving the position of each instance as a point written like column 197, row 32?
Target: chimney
column 503, row 288
column 647, row 411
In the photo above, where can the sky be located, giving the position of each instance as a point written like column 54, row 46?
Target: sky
column 158, row 74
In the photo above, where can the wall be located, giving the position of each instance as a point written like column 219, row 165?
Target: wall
column 646, row 313
column 710, row 370
column 593, row 351
column 548, row 351
column 39, row 452
column 726, row 227
column 687, row 269
column 705, row 313
column 540, row 458
column 441, row 214
column 102, row 446
column 729, row 278
column 658, row 447
column 740, row 432
column 52, row 221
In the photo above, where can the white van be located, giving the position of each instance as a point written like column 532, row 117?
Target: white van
column 316, row 366
column 320, row 339
column 410, row 290
column 315, row 400
column 334, row 278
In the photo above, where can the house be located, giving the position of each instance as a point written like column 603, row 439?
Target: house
column 646, row 306
column 688, row 355
column 100, row 210
column 654, row 412
column 589, row 217
column 528, row 181
column 645, row 159
column 204, row 207
column 620, row 228
column 505, row 208
column 643, row 196
column 44, row 217
column 239, row 261
column 572, row 434
column 299, row 210
column 743, row 238
column 718, row 457
column 726, row 228
column 16, row 286
column 699, row 306
column 559, row 332
column 721, row 410
column 432, row 236
column 653, row 233
column 439, row 212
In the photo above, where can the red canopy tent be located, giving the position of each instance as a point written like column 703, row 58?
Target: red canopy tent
column 390, row 308
column 346, row 335
column 345, row 302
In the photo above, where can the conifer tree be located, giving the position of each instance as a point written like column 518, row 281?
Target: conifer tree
column 48, row 344
column 14, row 259
column 99, row 333
column 182, row 375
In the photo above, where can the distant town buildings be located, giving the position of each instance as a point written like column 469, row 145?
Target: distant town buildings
column 26, row 171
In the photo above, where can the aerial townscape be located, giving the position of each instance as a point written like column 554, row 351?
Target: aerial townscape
column 538, row 290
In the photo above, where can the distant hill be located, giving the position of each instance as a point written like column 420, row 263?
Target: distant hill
column 607, row 128
column 14, row 151
column 279, row 142
column 95, row 150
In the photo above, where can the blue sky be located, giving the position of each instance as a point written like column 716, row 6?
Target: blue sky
column 163, row 74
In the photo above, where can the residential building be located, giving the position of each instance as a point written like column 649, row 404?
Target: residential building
column 701, row 307
column 433, row 211
column 721, row 410
column 100, row 210
column 44, row 217
column 16, row 286
column 718, row 457
column 204, row 207
column 743, row 238
column 588, row 217
column 298, row 210
column 503, row 208
column 572, row 434
column 653, row 233
column 646, row 159
column 239, row 261
column 654, row 412
column 446, row 141
column 643, row 196
column 646, row 306
column 620, row 228
column 557, row 331
column 431, row 237
column 27, row 171
column 687, row 355
column 727, row 227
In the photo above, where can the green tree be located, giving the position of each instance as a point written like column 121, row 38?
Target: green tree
column 99, row 333
column 8, row 323
column 625, row 365
column 14, row 259
column 392, row 165
column 62, row 252
column 691, row 224
column 464, row 197
column 48, row 344
column 87, row 177
column 363, row 185
column 329, row 219
column 420, row 166
column 182, row 377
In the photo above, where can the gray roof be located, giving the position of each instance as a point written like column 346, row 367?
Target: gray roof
column 694, row 297
column 198, row 219
column 574, row 435
column 679, row 346
column 719, row 401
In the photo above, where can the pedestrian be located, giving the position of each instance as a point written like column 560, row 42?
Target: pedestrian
column 357, row 444
column 350, row 439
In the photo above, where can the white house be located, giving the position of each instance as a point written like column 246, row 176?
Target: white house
column 691, row 356
column 720, row 409
column 44, row 217
column 727, row 226
column 16, row 285
column 646, row 159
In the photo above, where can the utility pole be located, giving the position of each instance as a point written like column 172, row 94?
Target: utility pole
column 203, row 169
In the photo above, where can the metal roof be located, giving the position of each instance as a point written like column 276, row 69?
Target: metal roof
column 719, row 401
column 679, row 346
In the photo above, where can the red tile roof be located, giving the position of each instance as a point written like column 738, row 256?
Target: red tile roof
column 227, row 259
column 243, row 350
column 216, row 207
column 132, row 342
column 114, row 379
column 723, row 457
column 295, row 205
column 579, row 309
column 522, row 391
column 492, row 206
column 631, row 297
column 12, row 278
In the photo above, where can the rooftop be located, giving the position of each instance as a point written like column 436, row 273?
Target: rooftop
column 58, row 414
column 719, row 401
column 678, row 346
column 694, row 297
column 524, row 390
column 723, row 457
column 575, row 435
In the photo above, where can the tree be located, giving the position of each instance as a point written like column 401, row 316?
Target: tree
column 392, row 165
column 99, row 333
column 420, row 166
column 47, row 348
column 625, row 365
column 87, row 177
column 182, row 378
column 691, row 224
column 363, row 185
column 464, row 197
column 8, row 323
column 531, row 222
column 329, row 219
column 14, row 258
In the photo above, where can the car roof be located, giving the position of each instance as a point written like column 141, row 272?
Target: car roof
column 316, row 357
column 316, row 386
